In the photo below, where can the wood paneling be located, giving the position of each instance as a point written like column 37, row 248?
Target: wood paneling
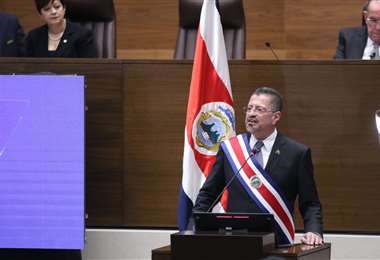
column 155, row 112
column 300, row 29
column 328, row 107
column 104, row 126
column 135, row 129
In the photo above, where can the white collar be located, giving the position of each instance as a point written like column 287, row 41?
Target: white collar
column 370, row 43
column 268, row 142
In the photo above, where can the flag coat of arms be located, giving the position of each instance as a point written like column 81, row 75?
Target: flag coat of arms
column 210, row 116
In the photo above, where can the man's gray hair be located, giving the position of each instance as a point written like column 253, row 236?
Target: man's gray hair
column 276, row 97
column 366, row 5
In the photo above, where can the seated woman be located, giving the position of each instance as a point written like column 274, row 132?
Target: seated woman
column 59, row 37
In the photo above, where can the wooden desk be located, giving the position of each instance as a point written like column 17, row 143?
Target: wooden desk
column 162, row 253
column 301, row 251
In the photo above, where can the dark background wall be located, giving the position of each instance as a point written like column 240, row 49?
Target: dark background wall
column 135, row 128
column 297, row 29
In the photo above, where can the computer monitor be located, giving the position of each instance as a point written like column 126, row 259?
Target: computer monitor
column 239, row 222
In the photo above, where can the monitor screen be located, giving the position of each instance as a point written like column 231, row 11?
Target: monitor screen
column 42, row 162
column 246, row 222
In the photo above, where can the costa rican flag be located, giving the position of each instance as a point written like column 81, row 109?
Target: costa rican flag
column 210, row 116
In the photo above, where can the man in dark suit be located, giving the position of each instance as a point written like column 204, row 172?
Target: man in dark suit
column 361, row 42
column 286, row 162
column 11, row 36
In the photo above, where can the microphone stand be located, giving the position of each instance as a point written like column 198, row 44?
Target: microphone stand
column 253, row 152
column 269, row 45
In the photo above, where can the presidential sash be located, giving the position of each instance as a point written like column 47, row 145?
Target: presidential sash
column 260, row 186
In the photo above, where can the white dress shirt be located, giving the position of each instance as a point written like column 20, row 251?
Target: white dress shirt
column 267, row 148
column 369, row 50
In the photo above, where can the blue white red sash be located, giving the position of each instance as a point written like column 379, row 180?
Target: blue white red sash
column 267, row 196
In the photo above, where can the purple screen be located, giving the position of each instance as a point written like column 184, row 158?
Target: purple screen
column 42, row 162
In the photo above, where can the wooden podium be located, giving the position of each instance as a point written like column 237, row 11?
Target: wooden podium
column 188, row 245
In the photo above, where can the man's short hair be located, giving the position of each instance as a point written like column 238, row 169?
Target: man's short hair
column 276, row 97
column 42, row 3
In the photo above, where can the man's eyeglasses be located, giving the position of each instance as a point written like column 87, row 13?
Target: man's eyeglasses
column 373, row 21
column 257, row 109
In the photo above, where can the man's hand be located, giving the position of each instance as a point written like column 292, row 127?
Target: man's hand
column 311, row 238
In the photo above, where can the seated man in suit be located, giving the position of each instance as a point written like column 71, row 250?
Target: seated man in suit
column 362, row 42
column 11, row 36
column 275, row 170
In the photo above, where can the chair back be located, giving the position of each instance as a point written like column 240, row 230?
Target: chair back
column 233, row 22
column 98, row 16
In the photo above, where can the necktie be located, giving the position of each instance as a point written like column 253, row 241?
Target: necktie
column 257, row 152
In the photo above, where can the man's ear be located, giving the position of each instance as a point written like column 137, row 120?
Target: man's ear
column 276, row 117
column 365, row 14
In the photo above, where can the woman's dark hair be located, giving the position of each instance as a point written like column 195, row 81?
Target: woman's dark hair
column 42, row 3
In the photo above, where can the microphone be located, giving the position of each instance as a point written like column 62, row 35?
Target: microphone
column 253, row 152
column 269, row 45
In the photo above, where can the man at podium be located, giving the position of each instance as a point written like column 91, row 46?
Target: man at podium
column 263, row 171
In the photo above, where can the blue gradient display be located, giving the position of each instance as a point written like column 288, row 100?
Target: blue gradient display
column 42, row 162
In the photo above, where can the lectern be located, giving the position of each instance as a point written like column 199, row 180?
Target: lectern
column 219, row 246
column 191, row 245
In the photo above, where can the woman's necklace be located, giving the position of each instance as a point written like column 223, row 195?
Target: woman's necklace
column 55, row 37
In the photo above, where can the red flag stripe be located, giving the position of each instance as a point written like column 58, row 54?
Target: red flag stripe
column 206, row 86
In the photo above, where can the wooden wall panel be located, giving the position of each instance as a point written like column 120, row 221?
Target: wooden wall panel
column 311, row 27
column 332, row 110
column 300, row 29
column 265, row 23
column 26, row 12
column 135, row 129
column 327, row 107
column 147, row 24
column 104, row 160
column 154, row 116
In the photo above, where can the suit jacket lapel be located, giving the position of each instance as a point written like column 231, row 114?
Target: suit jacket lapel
column 275, row 153
column 361, row 42
column 44, row 48
column 65, row 41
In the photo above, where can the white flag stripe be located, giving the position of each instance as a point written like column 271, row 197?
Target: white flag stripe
column 265, row 181
column 211, row 41
column 192, row 182
column 212, row 34
column 256, row 193
column 218, row 208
